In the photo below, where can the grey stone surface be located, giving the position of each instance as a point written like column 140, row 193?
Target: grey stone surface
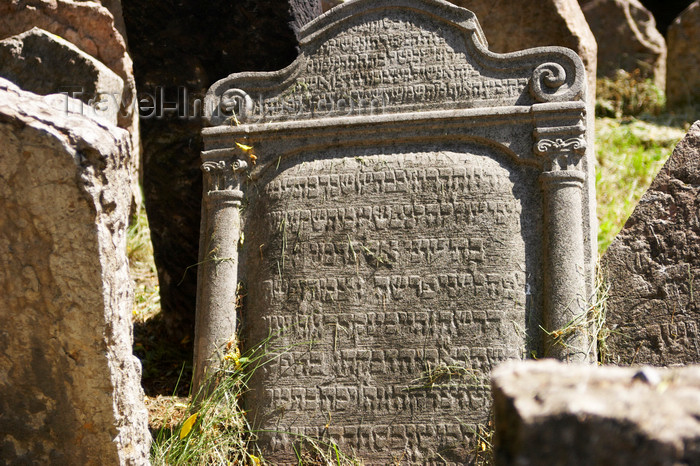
column 402, row 209
column 653, row 264
column 43, row 63
column 551, row 414
column 70, row 385
column 629, row 36
column 683, row 83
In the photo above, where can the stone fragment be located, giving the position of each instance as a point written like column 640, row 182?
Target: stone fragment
column 43, row 63
column 653, row 266
column 631, row 40
column 683, row 81
column 70, row 384
column 400, row 209
column 548, row 413
column 304, row 11
column 91, row 28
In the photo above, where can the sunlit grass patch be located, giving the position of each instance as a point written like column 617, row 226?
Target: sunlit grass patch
column 142, row 268
column 629, row 154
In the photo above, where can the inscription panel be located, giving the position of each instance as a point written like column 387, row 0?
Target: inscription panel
column 394, row 280
column 376, row 64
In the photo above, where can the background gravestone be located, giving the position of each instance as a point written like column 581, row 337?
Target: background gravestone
column 683, row 83
column 91, row 28
column 401, row 209
column 631, row 40
column 70, row 384
column 652, row 266
column 43, row 63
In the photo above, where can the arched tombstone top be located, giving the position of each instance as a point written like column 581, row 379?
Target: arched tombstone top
column 367, row 58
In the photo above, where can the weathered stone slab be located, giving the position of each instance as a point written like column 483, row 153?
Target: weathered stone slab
column 412, row 214
column 630, row 39
column 683, row 83
column 70, row 384
column 43, row 63
column 653, row 264
column 91, row 27
column 547, row 413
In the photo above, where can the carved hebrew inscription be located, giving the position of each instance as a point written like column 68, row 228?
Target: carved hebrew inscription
column 395, row 282
column 376, row 64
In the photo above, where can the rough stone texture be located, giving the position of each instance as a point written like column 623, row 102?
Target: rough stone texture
column 90, row 27
column 43, row 63
column 683, row 83
column 631, row 40
column 70, row 385
column 653, row 264
column 304, row 11
column 114, row 7
column 553, row 414
column 665, row 11
column 408, row 216
column 179, row 44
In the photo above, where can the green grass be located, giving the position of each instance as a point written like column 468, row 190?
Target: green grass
column 213, row 429
column 142, row 268
column 629, row 154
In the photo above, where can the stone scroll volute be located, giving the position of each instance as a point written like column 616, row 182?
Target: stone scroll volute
column 415, row 206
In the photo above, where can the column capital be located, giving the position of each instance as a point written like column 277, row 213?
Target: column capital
column 559, row 136
column 223, row 178
column 560, row 149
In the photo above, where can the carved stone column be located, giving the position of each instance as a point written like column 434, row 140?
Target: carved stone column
column 218, row 266
column 565, row 302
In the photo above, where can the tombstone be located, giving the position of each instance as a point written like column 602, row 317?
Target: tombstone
column 548, row 413
column 94, row 29
column 652, row 268
column 630, row 38
column 43, row 63
column 401, row 209
column 683, row 79
column 70, row 383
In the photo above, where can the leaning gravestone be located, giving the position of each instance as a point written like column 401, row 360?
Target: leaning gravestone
column 653, row 267
column 401, row 209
